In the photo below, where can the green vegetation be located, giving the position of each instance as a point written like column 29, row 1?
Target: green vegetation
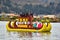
column 7, row 18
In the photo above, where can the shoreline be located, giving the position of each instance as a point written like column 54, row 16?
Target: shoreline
column 50, row 22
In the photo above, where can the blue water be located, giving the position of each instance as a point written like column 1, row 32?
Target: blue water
column 53, row 35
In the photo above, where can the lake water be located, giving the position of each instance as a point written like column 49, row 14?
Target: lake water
column 53, row 35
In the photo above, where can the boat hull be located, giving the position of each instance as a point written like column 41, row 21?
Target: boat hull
column 43, row 29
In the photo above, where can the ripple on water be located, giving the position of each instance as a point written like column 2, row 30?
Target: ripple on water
column 53, row 35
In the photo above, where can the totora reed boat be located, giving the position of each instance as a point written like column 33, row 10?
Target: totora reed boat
column 26, row 24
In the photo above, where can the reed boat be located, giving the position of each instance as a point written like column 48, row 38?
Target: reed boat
column 26, row 24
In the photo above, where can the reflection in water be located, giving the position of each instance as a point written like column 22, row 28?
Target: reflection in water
column 25, row 34
column 53, row 35
column 31, row 35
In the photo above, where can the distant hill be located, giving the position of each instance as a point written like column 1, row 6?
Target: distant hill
column 18, row 6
